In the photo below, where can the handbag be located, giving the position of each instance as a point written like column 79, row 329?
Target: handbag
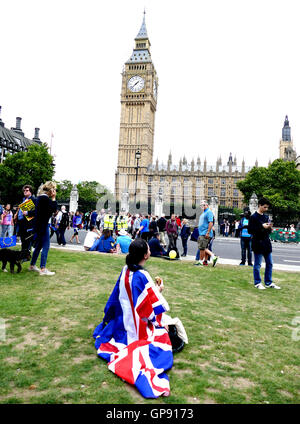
column 176, row 341
column 195, row 234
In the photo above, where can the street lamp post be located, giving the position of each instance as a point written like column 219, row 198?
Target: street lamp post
column 137, row 157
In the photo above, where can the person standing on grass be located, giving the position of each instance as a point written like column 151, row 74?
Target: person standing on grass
column 46, row 205
column 25, row 227
column 172, row 233
column 246, row 239
column 206, row 222
column 7, row 222
column 185, row 234
column 260, row 227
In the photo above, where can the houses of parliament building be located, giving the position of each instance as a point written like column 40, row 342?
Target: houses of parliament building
column 195, row 180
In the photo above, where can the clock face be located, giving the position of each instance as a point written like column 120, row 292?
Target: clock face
column 155, row 88
column 136, row 84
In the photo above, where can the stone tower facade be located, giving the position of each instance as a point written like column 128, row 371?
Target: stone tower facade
column 138, row 107
column 286, row 150
column 186, row 182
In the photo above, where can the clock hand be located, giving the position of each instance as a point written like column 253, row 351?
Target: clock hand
column 136, row 83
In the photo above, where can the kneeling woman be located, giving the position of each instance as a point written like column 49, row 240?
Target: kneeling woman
column 132, row 336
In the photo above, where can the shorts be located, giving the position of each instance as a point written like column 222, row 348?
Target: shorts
column 203, row 242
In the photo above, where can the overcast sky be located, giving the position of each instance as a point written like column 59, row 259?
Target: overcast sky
column 228, row 73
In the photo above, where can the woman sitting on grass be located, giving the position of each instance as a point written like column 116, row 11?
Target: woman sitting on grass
column 105, row 244
column 132, row 336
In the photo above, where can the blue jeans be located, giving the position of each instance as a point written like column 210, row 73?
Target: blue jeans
column 246, row 244
column 184, row 245
column 42, row 243
column 268, row 271
column 7, row 229
column 197, row 255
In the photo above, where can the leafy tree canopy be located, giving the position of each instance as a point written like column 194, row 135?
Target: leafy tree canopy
column 33, row 167
column 280, row 183
column 89, row 193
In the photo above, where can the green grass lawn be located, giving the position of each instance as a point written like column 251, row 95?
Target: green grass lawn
column 240, row 339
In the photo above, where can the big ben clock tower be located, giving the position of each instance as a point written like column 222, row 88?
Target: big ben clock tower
column 138, row 106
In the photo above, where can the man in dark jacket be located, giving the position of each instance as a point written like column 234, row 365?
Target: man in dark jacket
column 63, row 223
column 25, row 220
column 155, row 247
column 260, row 227
column 172, row 233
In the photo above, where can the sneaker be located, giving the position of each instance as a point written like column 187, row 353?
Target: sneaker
column 198, row 263
column 250, row 265
column 273, row 286
column 260, row 286
column 205, row 263
column 215, row 260
column 46, row 272
column 242, row 263
column 34, row 268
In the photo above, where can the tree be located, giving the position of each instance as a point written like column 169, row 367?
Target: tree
column 89, row 193
column 63, row 191
column 280, row 183
column 33, row 167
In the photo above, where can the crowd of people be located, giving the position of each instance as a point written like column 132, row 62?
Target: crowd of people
column 114, row 233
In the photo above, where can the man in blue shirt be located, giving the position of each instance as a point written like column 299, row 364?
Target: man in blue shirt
column 246, row 239
column 206, row 222
column 123, row 241
column 144, row 228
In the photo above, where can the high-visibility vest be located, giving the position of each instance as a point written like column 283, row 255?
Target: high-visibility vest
column 119, row 223
column 111, row 222
column 106, row 222
column 124, row 223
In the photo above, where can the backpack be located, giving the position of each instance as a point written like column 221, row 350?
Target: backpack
column 64, row 220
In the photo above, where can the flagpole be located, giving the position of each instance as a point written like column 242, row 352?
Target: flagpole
column 51, row 143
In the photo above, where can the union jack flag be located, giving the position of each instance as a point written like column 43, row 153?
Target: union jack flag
column 132, row 337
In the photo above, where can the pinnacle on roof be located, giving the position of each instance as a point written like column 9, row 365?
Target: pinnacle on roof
column 143, row 31
column 286, row 121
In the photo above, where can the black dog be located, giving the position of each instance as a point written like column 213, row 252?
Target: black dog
column 14, row 257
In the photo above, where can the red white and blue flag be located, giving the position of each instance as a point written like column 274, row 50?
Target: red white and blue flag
column 132, row 337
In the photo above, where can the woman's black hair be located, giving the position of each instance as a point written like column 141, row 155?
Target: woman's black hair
column 137, row 250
